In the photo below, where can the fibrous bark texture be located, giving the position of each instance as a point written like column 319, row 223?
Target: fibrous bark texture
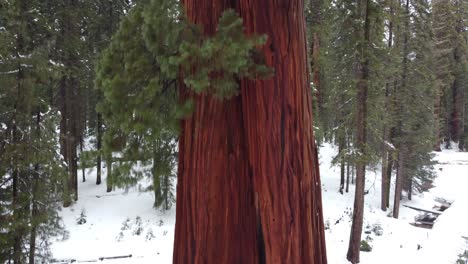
column 259, row 144
column 216, row 217
column 278, row 118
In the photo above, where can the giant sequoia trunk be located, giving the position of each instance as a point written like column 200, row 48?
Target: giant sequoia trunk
column 261, row 141
column 282, row 150
column 216, row 218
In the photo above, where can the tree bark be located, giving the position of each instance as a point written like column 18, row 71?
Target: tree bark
column 98, row 146
column 281, row 149
column 216, row 216
column 385, row 180
column 262, row 141
column 459, row 82
column 402, row 146
column 341, row 147
column 34, row 205
column 109, row 173
column 83, row 169
column 315, row 8
column 437, row 114
column 398, row 184
column 347, row 176
column 390, row 164
column 361, row 133
column 386, row 133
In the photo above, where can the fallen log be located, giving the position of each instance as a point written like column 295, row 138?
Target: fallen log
column 423, row 210
column 90, row 260
column 116, row 257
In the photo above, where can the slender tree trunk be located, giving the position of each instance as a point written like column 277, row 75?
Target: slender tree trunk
column 99, row 147
column 341, row 147
column 347, row 176
column 16, row 232
column 216, row 216
column 437, row 114
column 385, row 180
column 386, row 134
column 20, row 110
column 282, row 151
column 156, row 179
column 456, row 124
column 402, row 147
column 410, row 189
column 109, row 173
column 398, row 183
column 35, row 190
column 361, row 135
column 459, row 83
column 315, row 8
column 64, row 145
column 83, row 169
column 390, row 163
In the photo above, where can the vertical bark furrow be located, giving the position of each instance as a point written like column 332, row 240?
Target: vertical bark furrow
column 216, row 217
column 282, row 148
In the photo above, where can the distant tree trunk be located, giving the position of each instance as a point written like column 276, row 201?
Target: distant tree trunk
column 456, row 124
column 410, row 189
column 99, row 147
column 462, row 79
column 402, row 147
column 341, row 147
column 282, row 150
column 315, row 8
column 109, row 173
column 69, row 99
column 398, row 183
column 158, row 198
column 437, row 114
column 390, row 164
column 83, row 169
column 385, row 180
column 361, row 133
column 216, row 216
column 386, row 135
column 459, row 83
column 63, row 102
column 347, row 176
column 34, row 210
column 16, row 232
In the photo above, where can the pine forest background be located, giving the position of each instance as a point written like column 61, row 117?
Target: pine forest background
column 388, row 82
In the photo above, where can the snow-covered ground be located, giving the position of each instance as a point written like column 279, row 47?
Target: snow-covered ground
column 123, row 223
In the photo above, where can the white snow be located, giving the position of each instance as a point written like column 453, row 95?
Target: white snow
column 107, row 212
column 105, row 215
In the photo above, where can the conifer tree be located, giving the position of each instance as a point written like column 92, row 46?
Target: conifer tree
column 31, row 170
column 207, row 61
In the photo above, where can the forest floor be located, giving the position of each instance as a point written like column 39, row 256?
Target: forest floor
column 124, row 222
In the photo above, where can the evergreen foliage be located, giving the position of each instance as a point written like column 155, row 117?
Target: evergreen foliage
column 31, row 170
column 110, row 70
column 138, row 76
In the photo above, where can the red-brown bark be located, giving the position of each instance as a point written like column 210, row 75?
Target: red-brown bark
column 262, row 140
column 216, row 217
column 278, row 118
